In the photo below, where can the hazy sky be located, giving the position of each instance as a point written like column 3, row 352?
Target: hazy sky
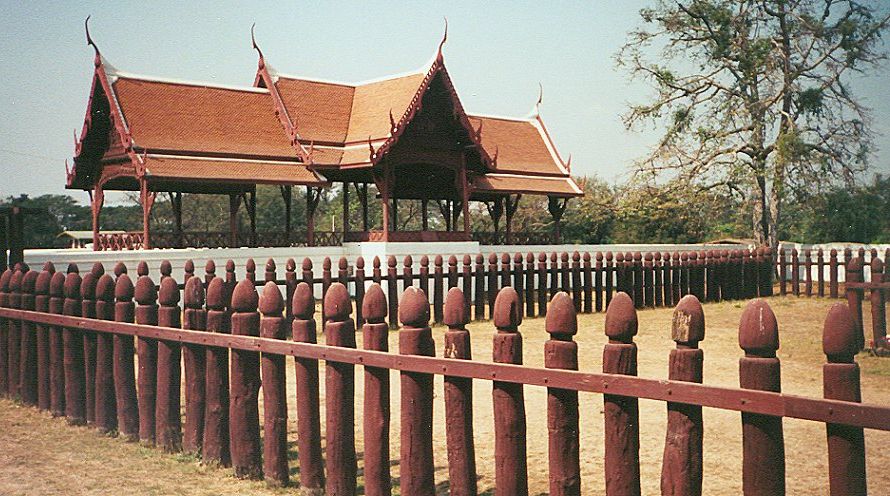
column 497, row 53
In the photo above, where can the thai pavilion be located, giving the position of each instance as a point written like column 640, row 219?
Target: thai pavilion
column 407, row 135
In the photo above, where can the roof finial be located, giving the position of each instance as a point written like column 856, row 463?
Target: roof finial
column 392, row 122
column 569, row 164
column 90, row 42
column 371, row 147
column 253, row 42
column 536, row 111
column 444, row 38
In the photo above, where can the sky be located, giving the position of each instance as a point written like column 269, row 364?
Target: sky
column 497, row 53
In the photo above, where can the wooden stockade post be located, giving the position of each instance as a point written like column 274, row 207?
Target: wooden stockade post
column 459, row 400
column 4, row 334
column 90, row 339
column 124, row 366
column 168, row 427
column 195, row 361
column 41, row 304
column 273, row 326
column 312, row 480
column 215, row 447
column 340, row 459
column 375, row 336
column 244, row 421
column 415, row 338
column 147, row 352
column 763, row 445
column 15, row 335
column 56, row 348
column 28, row 358
column 75, row 402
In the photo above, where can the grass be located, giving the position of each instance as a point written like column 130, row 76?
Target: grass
column 36, row 447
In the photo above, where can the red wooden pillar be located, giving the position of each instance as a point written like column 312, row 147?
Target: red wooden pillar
column 312, row 478
column 452, row 272
column 598, row 275
column 106, row 401
column 479, row 288
column 14, row 349
column 609, row 280
column 124, row 366
column 360, row 290
column 215, row 448
column 878, row 307
column 56, row 353
column 622, row 416
column 511, row 470
column 832, row 273
column 681, row 469
column 275, row 468
column 147, row 351
column 244, row 427
column 466, row 280
column 459, row 400
column 795, row 272
column 28, row 360
column 75, row 404
column 763, row 462
column 530, row 284
column 375, row 336
column 340, row 454
column 168, row 425
column 561, row 352
column 415, row 338
column 195, row 360
column 541, row 289
column 649, row 279
column 88, row 310
column 853, row 273
column 290, row 284
column 846, row 444
column 492, row 282
column 41, row 304
column 407, row 272
column 4, row 330
column 392, row 290
column 438, row 290
column 820, row 274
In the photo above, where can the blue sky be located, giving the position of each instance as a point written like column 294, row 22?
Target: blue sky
column 497, row 53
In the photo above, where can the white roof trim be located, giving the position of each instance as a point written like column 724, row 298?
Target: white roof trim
column 418, row 72
column 501, row 117
column 550, row 146
column 114, row 75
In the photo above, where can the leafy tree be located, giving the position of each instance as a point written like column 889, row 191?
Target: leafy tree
column 55, row 213
column 756, row 95
column 857, row 214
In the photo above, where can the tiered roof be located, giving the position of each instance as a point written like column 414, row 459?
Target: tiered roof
column 171, row 130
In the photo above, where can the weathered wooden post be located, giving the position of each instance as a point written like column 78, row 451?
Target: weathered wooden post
column 327, row 279
column 28, row 360
column 88, row 310
column 188, row 269
column 168, row 425
column 312, row 479
column 360, row 289
column 598, row 283
column 649, row 279
column 75, row 401
column 693, row 273
column 677, row 270
column 272, row 326
column 609, row 276
column 832, row 273
column 452, row 272
column 564, row 273
column 620, row 273
column 853, row 274
column 407, row 271
column 244, row 417
column 795, row 272
column 763, row 462
column 147, row 351
column 392, row 288
column 124, row 366
column 56, row 347
column 511, row 470
column 529, row 284
column 466, row 280
column 505, row 270
column 622, row 415
column 290, row 284
column 783, row 272
column 438, row 294
column 820, row 274
column 215, row 448
column 519, row 286
column 307, row 276
column 542, row 284
column 492, row 283
column 459, row 400
column 878, row 306
column 4, row 333
column 41, row 304
column 375, row 336
column 250, row 270
column 195, row 360
column 846, row 444
column 269, row 271
column 106, row 399
column 554, row 276
column 658, row 278
column 479, row 288
column 684, row 275
column 415, row 338
column 681, row 469
column 561, row 352
column 340, row 395
column 587, row 282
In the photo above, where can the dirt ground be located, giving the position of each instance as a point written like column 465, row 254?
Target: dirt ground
column 41, row 455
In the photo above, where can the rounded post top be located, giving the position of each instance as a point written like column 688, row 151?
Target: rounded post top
column 877, row 266
column 492, row 258
column 271, row 302
column 193, row 294
column 407, row 261
column 452, row 260
column 599, row 256
column 374, row 307
column 4, row 280
column 376, row 262
column 57, row 285
column 142, row 268
column 553, row 256
column 619, row 257
column 123, row 288
column 105, row 288
column 438, row 261
column 414, row 308
column 146, row 293
column 517, row 258
column 564, row 257
column 609, row 256
column 210, row 267
column 759, row 329
column 270, row 265
column 166, row 269
column 245, row 298
column 530, row 258
column 189, row 266
column 467, row 260
column 360, row 263
column 456, row 313
column 561, row 319
column 688, row 324
column 638, row 256
column 72, row 285
column 216, row 291
column 391, row 261
column 88, row 286
column 621, row 318
column 424, row 261
column 337, row 306
column 542, row 257
column 291, row 265
column 97, row 269
column 307, row 264
column 480, row 258
column 839, row 340
column 505, row 258
column 72, row 267
column 41, row 286
column 49, row 267
column 168, row 294
column 507, row 315
column 303, row 302
column 15, row 282
column 119, row 269
column 249, row 266
column 29, row 280
column 326, row 263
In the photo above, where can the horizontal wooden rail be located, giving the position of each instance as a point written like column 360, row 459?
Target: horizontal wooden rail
column 863, row 415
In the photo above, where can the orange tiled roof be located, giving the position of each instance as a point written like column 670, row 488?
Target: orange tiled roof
column 521, row 145
column 514, row 183
column 238, row 171
column 184, row 117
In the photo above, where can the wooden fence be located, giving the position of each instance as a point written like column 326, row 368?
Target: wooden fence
column 68, row 346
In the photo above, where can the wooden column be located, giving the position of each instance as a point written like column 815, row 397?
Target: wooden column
column 511, row 207
column 312, row 197
column 424, row 215
column 395, row 214
column 234, row 204
column 147, row 199
column 96, row 210
column 345, row 209
column 363, row 195
column 176, row 203
column 496, row 210
column 287, row 194
column 465, row 192
column 251, row 211
column 557, row 207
